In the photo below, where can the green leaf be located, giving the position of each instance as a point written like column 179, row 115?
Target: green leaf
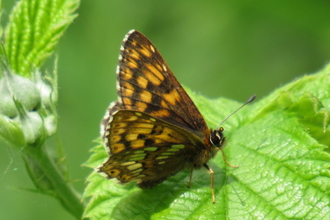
column 278, row 143
column 35, row 28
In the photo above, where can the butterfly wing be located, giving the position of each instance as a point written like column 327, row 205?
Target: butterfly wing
column 146, row 84
column 146, row 148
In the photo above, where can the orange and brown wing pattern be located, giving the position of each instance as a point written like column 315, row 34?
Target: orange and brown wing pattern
column 146, row 84
column 146, row 148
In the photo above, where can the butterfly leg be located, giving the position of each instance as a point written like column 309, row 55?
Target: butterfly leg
column 225, row 159
column 212, row 181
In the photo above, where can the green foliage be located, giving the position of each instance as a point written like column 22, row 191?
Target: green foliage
column 34, row 30
column 28, row 96
column 278, row 143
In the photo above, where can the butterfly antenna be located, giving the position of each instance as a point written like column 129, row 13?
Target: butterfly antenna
column 247, row 102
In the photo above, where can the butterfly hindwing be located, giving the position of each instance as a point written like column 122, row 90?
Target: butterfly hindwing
column 147, row 149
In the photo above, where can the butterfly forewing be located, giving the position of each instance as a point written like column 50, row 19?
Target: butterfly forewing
column 146, row 84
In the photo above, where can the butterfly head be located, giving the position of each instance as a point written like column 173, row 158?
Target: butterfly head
column 217, row 138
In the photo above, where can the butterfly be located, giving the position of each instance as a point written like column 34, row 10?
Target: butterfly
column 154, row 129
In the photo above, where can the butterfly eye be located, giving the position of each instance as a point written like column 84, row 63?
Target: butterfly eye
column 217, row 138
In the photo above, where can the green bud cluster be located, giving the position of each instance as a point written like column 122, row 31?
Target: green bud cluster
column 27, row 108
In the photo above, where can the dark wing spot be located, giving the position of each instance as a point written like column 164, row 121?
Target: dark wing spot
column 157, row 130
column 149, row 142
column 141, row 136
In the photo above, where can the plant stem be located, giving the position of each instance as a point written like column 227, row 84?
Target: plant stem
column 60, row 188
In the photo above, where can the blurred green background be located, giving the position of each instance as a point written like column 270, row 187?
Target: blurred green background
column 231, row 49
